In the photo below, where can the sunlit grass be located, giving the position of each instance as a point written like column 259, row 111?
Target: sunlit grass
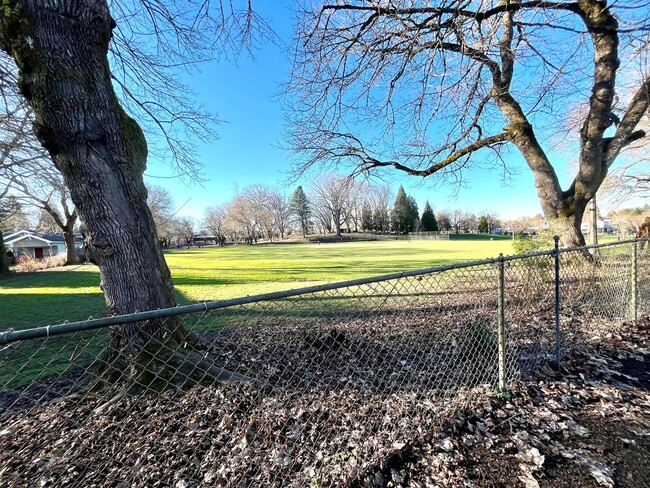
column 210, row 273
column 200, row 274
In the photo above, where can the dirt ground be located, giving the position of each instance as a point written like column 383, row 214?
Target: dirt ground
column 587, row 425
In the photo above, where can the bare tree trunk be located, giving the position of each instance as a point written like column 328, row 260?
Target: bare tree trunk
column 564, row 215
column 72, row 256
column 568, row 228
column 61, row 51
column 98, row 148
column 4, row 262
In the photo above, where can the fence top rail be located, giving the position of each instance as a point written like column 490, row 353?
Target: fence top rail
column 599, row 246
column 9, row 336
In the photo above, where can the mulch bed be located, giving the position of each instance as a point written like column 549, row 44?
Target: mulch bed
column 585, row 426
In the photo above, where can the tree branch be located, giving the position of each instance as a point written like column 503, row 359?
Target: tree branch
column 434, row 168
column 625, row 132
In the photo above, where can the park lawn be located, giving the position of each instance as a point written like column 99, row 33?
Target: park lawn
column 200, row 274
column 211, row 273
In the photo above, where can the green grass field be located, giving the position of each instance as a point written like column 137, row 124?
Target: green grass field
column 210, row 273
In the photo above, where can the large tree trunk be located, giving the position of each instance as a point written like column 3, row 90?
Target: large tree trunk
column 564, row 215
column 337, row 222
column 61, row 51
column 568, row 228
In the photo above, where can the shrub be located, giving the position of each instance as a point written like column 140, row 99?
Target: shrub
column 542, row 242
column 27, row 263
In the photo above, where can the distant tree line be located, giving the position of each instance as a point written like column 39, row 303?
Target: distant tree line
column 330, row 204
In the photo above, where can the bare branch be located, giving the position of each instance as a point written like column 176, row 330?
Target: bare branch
column 421, row 88
column 154, row 45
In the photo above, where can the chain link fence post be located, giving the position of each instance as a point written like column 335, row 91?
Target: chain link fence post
column 558, row 332
column 501, row 324
column 635, row 281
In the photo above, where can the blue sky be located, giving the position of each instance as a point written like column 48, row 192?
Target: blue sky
column 244, row 95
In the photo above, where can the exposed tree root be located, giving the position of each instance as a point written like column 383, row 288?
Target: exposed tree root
column 109, row 403
column 135, row 364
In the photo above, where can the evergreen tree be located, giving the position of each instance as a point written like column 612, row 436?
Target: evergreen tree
column 428, row 221
column 299, row 208
column 381, row 219
column 483, row 226
column 404, row 217
column 367, row 223
column 413, row 219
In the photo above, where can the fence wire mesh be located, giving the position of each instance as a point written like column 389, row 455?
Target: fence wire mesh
column 314, row 389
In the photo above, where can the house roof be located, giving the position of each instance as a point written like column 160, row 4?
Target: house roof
column 12, row 234
column 17, row 236
column 53, row 237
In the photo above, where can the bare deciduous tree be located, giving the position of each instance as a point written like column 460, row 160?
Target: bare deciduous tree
column 41, row 185
column 444, row 221
column 279, row 204
column 162, row 207
column 215, row 222
column 627, row 181
column 61, row 50
column 18, row 145
column 330, row 196
column 269, row 208
column 184, row 230
column 428, row 88
column 627, row 220
column 14, row 217
column 460, row 219
column 243, row 217
column 524, row 224
column 379, row 198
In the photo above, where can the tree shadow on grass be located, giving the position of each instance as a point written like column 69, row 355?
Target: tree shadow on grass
column 65, row 278
column 29, row 310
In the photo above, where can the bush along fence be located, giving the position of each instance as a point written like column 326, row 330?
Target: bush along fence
column 321, row 386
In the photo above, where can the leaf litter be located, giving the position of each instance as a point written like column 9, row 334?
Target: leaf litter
column 587, row 425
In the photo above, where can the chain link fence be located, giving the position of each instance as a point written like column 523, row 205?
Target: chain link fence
column 324, row 386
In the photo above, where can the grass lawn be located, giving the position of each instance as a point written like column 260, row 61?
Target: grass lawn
column 210, row 273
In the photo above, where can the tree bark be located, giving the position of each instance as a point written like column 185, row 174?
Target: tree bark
column 568, row 228
column 337, row 223
column 564, row 209
column 4, row 262
column 61, row 52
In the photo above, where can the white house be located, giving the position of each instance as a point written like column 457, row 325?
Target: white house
column 604, row 226
column 28, row 243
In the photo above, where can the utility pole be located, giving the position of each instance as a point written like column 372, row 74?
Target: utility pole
column 593, row 232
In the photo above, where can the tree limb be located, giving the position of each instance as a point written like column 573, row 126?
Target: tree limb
column 434, row 168
column 625, row 132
